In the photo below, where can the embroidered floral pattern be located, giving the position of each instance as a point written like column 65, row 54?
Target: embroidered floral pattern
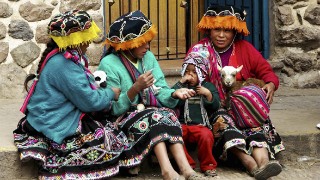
column 142, row 125
column 100, row 147
column 146, row 129
column 156, row 116
column 93, row 155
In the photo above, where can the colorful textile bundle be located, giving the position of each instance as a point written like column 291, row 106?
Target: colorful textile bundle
column 249, row 107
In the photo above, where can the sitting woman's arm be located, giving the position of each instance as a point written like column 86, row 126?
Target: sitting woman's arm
column 128, row 95
column 74, row 85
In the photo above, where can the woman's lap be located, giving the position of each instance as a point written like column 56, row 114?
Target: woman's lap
column 244, row 139
column 145, row 129
column 92, row 152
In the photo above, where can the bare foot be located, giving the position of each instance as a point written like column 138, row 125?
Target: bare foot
column 187, row 174
column 172, row 175
column 195, row 175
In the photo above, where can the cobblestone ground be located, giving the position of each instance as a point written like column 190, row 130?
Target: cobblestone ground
column 304, row 171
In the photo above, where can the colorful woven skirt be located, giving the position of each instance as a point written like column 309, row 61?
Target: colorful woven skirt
column 145, row 129
column 91, row 153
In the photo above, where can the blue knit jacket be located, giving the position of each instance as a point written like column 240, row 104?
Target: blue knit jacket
column 62, row 94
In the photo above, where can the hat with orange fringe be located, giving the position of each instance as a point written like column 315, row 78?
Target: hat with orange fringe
column 72, row 28
column 226, row 17
column 130, row 31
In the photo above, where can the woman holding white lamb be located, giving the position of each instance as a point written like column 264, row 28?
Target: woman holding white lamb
column 244, row 132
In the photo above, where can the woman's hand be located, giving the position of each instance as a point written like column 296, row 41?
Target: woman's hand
column 205, row 92
column 183, row 93
column 116, row 93
column 144, row 81
column 269, row 88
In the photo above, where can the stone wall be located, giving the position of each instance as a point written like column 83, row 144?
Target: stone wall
column 295, row 39
column 23, row 37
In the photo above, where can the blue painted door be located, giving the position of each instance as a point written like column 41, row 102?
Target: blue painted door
column 257, row 21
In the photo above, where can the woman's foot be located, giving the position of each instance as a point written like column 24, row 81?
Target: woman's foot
column 173, row 175
column 253, row 171
column 196, row 176
column 193, row 175
column 272, row 168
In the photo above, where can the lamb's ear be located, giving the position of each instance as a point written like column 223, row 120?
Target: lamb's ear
column 219, row 68
column 239, row 68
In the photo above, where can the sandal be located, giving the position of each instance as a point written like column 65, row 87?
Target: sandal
column 210, row 172
column 253, row 171
column 272, row 168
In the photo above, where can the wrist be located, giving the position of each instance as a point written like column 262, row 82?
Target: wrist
column 209, row 98
column 135, row 88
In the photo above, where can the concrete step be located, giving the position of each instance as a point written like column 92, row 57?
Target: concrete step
column 295, row 113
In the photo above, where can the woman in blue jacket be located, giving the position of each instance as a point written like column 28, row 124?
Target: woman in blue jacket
column 60, row 129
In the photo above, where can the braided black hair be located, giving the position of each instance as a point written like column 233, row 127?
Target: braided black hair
column 50, row 46
column 107, row 52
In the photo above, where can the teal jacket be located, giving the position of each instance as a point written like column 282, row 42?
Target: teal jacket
column 119, row 77
column 62, row 94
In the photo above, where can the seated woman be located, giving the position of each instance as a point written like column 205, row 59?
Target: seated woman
column 254, row 146
column 59, row 129
column 131, row 67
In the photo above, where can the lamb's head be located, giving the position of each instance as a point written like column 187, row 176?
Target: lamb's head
column 228, row 75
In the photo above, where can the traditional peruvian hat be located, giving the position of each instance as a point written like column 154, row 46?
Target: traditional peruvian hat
column 130, row 31
column 226, row 17
column 199, row 57
column 72, row 28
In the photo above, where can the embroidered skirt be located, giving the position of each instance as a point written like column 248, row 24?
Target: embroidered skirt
column 91, row 153
column 227, row 135
column 145, row 129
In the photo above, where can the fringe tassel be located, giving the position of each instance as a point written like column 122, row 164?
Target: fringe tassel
column 226, row 22
column 78, row 38
column 136, row 42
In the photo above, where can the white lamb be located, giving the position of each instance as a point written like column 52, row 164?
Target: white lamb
column 228, row 78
